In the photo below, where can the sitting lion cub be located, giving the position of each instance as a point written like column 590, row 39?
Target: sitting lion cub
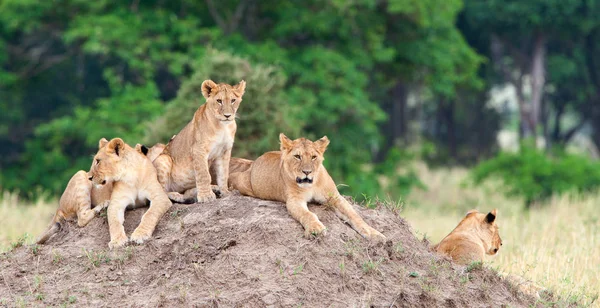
column 82, row 200
column 134, row 180
column 295, row 175
column 203, row 143
column 476, row 235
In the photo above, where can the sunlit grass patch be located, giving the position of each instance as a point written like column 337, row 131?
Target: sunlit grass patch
column 555, row 245
column 21, row 221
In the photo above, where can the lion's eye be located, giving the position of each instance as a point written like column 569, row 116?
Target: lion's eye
column 297, row 156
column 233, row 101
column 220, row 102
column 97, row 161
column 314, row 157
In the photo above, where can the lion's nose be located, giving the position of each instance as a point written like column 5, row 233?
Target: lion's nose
column 307, row 172
column 495, row 250
column 227, row 115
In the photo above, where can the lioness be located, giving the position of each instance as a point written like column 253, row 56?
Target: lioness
column 82, row 200
column 134, row 180
column 203, row 143
column 476, row 235
column 295, row 175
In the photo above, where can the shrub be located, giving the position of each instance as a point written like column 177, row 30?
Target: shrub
column 536, row 176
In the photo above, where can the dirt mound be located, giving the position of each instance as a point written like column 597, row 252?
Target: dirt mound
column 240, row 251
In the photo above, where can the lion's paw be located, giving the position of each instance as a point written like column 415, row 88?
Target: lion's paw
column 118, row 242
column 210, row 196
column 140, row 237
column 376, row 236
column 98, row 208
column 314, row 229
column 224, row 192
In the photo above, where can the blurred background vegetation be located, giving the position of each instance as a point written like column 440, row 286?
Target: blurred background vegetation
column 388, row 81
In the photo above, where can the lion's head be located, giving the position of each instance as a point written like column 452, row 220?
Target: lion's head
column 302, row 159
column 223, row 99
column 107, row 163
column 485, row 227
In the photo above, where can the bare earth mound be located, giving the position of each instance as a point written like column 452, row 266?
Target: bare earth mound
column 241, row 251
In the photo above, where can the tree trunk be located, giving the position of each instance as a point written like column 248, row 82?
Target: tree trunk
column 537, row 79
column 396, row 128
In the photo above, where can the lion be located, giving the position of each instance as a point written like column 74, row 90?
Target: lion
column 235, row 165
column 476, row 235
column 204, row 143
column 296, row 175
column 83, row 201
column 134, row 180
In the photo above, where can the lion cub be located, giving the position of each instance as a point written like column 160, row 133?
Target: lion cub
column 204, row 143
column 476, row 235
column 295, row 175
column 82, row 200
column 134, row 180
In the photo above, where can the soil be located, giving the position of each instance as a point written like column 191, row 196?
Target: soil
column 244, row 252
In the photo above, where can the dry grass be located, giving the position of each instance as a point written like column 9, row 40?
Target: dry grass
column 23, row 220
column 556, row 245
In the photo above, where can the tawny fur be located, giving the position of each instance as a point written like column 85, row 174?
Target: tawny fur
column 134, row 180
column 189, row 196
column 82, row 200
column 476, row 235
column 203, row 144
column 295, row 175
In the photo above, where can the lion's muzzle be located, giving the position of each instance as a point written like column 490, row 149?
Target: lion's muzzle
column 304, row 180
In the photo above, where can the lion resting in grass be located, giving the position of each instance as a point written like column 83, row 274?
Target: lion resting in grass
column 295, row 175
column 134, row 181
column 204, row 143
column 476, row 235
column 82, row 200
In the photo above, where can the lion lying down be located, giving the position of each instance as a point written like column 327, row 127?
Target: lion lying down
column 134, row 180
column 476, row 235
column 82, row 200
column 295, row 175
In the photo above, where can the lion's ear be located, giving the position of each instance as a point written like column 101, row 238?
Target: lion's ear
column 322, row 144
column 491, row 216
column 102, row 143
column 240, row 88
column 115, row 146
column 208, row 88
column 141, row 148
column 471, row 212
column 286, row 143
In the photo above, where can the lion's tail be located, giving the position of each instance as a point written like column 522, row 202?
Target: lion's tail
column 54, row 227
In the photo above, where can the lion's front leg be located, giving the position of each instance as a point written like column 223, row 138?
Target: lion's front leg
column 222, row 172
column 159, row 205
column 344, row 210
column 299, row 210
column 202, row 175
column 116, row 216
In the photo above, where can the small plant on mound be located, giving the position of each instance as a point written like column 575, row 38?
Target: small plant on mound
column 535, row 176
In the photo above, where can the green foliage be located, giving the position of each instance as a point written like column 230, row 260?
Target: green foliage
column 73, row 72
column 536, row 176
column 263, row 114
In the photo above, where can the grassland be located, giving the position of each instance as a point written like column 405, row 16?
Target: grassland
column 556, row 245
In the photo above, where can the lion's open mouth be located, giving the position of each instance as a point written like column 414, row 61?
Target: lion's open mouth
column 304, row 180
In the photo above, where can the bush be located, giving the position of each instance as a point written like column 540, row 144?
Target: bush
column 262, row 115
column 536, row 176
